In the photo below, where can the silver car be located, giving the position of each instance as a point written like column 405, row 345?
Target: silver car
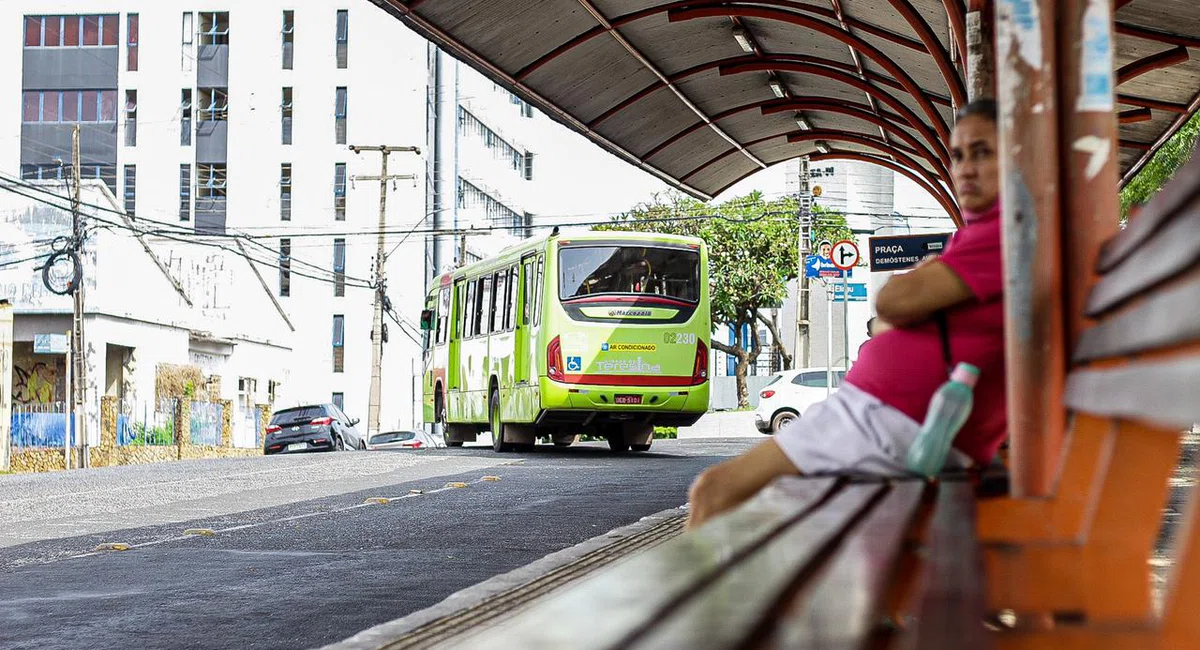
column 404, row 440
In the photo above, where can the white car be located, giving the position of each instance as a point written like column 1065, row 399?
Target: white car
column 789, row 394
column 404, row 440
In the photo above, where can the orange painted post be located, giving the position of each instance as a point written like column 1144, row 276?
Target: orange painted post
column 1029, row 162
column 1088, row 128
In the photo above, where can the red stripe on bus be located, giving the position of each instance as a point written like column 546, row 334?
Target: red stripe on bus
column 629, row 380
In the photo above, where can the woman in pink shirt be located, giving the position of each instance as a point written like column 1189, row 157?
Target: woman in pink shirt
column 867, row 426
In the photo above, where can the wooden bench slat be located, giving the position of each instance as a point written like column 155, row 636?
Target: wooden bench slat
column 726, row 613
column 632, row 594
column 1165, row 205
column 844, row 606
column 1164, row 254
column 952, row 604
column 1163, row 392
column 1164, row 319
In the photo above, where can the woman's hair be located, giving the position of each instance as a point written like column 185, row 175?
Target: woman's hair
column 985, row 108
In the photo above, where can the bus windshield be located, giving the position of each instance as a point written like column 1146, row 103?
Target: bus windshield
column 622, row 270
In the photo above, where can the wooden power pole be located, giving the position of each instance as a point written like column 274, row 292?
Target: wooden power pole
column 78, row 352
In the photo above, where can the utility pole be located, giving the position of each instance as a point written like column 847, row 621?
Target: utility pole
column 375, row 395
column 801, row 355
column 77, row 350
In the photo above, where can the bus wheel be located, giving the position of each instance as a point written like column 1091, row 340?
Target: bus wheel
column 498, row 443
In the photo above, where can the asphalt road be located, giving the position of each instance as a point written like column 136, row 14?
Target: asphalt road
column 302, row 571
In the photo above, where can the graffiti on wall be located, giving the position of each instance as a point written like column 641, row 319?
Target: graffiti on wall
column 34, row 383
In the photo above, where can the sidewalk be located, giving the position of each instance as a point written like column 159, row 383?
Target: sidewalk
column 724, row 424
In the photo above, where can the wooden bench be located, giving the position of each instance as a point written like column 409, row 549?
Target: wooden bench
column 1082, row 554
column 834, row 563
column 807, row 563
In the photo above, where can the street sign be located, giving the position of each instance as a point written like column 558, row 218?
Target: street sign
column 857, row 292
column 899, row 252
column 844, row 254
column 49, row 343
column 816, row 266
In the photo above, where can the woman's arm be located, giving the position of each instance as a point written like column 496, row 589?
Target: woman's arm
column 917, row 295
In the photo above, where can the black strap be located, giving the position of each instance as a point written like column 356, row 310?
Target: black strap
column 943, row 326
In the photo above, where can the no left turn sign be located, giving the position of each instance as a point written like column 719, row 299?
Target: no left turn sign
column 844, row 255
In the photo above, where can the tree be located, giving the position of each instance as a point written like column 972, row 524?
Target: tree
column 752, row 256
column 1162, row 166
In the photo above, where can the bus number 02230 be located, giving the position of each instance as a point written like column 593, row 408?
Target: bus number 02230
column 679, row 338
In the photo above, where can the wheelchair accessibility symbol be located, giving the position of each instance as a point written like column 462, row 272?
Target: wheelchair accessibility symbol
column 574, row 364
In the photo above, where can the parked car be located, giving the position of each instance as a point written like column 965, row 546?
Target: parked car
column 789, row 394
column 320, row 427
column 404, row 440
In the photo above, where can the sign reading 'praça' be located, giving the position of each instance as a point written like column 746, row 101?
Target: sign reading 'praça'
column 899, row 252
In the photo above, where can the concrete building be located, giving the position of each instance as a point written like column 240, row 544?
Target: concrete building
column 233, row 120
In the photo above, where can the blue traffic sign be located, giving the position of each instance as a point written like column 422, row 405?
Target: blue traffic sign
column 816, row 266
column 899, row 252
column 857, row 292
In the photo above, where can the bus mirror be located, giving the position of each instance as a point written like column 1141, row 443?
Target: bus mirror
column 426, row 320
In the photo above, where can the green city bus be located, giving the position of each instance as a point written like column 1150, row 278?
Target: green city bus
column 601, row 333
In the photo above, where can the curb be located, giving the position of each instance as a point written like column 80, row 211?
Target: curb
column 381, row 635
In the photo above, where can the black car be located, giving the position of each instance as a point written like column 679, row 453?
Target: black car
column 322, row 427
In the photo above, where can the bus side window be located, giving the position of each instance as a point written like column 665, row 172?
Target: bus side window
column 470, row 311
column 484, row 318
column 459, row 304
column 527, row 291
column 501, row 295
column 443, row 315
column 537, row 305
column 510, row 305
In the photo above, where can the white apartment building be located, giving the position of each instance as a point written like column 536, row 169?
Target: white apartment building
column 232, row 120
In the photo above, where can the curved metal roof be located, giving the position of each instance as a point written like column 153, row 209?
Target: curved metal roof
column 703, row 93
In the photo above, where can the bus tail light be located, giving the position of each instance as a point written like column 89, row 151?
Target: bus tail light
column 554, row 361
column 700, row 370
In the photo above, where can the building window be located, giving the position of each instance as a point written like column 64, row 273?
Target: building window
column 470, row 196
column 339, row 267
column 343, row 37
column 69, row 106
column 339, row 115
column 285, row 191
column 339, row 191
column 72, row 31
column 339, row 400
column 528, row 165
column 214, row 28
column 285, row 267
column 339, row 343
column 130, row 118
column 501, row 149
column 187, row 38
column 185, row 192
column 289, row 35
column 211, row 182
column 131, row 43
column 286, row 115
column 185, row 117
column 214, row 105
column 130, row 189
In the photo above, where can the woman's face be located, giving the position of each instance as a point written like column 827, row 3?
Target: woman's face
column 973, row 163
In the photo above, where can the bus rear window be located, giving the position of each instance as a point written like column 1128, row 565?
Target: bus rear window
column 624, row 270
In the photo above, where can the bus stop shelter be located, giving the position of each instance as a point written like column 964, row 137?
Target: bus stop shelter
column 703, row 93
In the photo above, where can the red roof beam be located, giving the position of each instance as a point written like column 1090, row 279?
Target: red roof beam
column 848, row 79
column 1158, row 61
column 1135, row 115
column 872, row 52
column 947, row 205
column 621, row 21
column 1156, row 35
column 941, row 57
column 1156, row 104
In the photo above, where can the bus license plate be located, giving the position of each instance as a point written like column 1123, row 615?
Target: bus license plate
column 628, row 399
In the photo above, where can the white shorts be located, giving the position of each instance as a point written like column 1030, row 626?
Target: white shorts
column 854, row 433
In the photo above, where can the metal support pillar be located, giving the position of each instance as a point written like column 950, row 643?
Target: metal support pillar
column 1026, row 61
column 1088, row 127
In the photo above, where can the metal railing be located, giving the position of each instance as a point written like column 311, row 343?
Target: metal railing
column 206, row 423
column 39, row 425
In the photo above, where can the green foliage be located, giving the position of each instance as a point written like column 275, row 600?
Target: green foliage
column 1166, row 161
column 751, row 244
column 152, row 435
column 666, row 433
